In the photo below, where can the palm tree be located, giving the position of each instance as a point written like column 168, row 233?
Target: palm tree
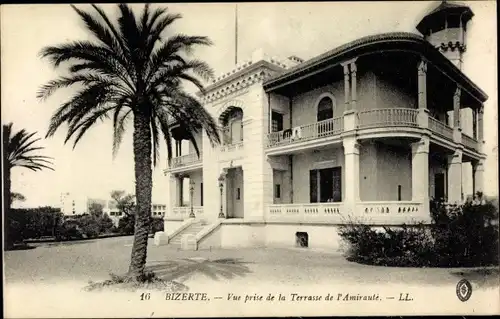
column 132, row 70
column 19, row 150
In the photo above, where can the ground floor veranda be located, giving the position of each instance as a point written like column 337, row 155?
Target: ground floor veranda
column 379, row 181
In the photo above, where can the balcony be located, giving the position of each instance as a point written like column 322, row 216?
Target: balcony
column 441, row 129
column 388, row 117
column 470, row 142
column 335, row 213
column 318, row 130
column 182, row 212
column 186, row 161
column 382, row 119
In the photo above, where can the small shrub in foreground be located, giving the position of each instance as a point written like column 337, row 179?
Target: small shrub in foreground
column 459, row 236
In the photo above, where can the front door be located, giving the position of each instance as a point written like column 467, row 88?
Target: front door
column 235, row 193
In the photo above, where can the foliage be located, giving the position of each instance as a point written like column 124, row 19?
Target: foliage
column 19, row 150
column 96, row 209
column 126, row 225
column 157, row 225
column 39, row 222
column 134, row 69
column 459, row 236
column 124, row 202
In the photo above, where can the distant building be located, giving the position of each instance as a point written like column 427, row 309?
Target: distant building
column 71, row 204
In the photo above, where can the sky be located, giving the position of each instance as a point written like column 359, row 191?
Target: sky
column 280, row 29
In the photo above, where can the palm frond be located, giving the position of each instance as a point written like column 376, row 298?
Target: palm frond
column 19, row 149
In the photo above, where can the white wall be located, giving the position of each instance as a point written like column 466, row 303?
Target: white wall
column 393, row 169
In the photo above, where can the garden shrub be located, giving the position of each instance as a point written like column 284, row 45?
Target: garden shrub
column 459, row 236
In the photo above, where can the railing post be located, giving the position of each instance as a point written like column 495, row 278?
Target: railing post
column 423, row 118
column 350, row 120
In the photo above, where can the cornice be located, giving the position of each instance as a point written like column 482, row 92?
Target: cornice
column 243, row 76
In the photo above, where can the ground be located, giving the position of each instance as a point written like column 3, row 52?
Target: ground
column 223, row 271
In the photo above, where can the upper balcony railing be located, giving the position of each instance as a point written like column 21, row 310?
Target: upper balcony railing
column 371, row 119
column 306, row 132
column 470, row 142
column 186, row 160
column 387, row 117
column 439, row 128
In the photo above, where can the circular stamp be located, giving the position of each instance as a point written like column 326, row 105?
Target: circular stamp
column 464, row 290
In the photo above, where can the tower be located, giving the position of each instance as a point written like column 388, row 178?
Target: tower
column 445, row 28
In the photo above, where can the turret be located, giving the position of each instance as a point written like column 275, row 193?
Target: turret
column 445, row 28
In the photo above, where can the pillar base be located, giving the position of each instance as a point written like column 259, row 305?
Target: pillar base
column 161, row 238
column 188, row 242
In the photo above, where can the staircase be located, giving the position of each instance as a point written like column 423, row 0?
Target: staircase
column 192, row 229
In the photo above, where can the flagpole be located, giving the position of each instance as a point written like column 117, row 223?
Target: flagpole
column 236, row 34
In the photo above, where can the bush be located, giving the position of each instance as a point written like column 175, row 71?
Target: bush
column 156, row 225
column 126, row 225
column 459, row 236
column 31, row 223
column 69, row 230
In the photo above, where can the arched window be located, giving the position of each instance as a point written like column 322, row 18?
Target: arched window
column 325, row 108
column 233, row 126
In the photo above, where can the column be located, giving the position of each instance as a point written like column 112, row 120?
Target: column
column 480, row 128
column 422, row 85
column 455, row 177
column 347, row 96
column 351, row 160
column 423, row 112
column 420, row 173
column 179, row 183
column 172, row 188
column 353, row 68
column 478, row 177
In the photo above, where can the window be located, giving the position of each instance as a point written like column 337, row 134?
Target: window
column 325, row 185
column 238, row 194
column 325, row 108
column 399, row 192
column 277, row 191
column 276, row 122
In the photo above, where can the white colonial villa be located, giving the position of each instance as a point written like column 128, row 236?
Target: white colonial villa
column 371, row 131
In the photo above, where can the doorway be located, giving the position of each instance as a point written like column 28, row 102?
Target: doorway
column 325, row 185
column 234, row 182
column 439, row 186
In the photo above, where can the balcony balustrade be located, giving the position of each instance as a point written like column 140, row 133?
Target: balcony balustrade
column 470, row 142
column 186, row 160
column 376, row 212
column 182, row 212
column 377, row 118
column 321, row 129
column 439, row 128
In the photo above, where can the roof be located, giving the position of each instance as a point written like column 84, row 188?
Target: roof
column 440, row 12
column 396, row 41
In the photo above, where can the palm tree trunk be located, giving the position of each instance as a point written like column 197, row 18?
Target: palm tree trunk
column 143, row 189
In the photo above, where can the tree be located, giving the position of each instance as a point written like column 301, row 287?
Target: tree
column 96, row 209
column 124, row 202
column 19, row 150
column 132, row 70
